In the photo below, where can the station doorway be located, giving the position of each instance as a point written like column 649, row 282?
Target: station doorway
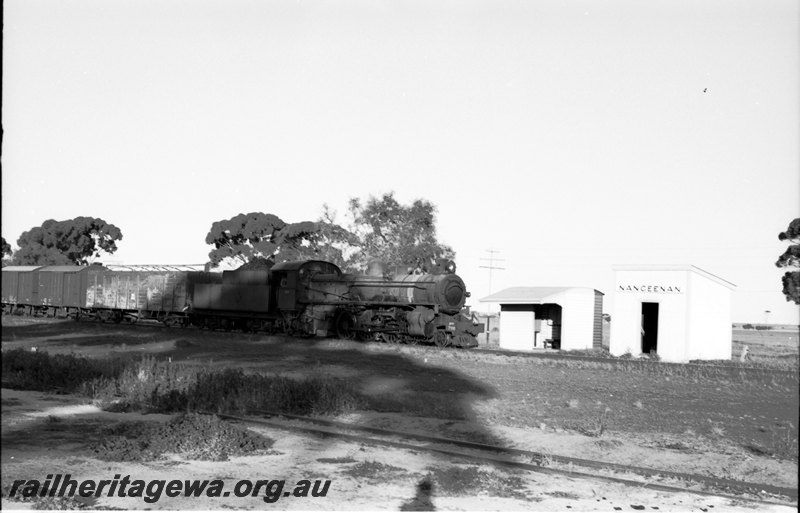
column 649, row 328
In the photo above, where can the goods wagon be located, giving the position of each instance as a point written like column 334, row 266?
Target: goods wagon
column 20, row 287
column 115, row 295
column 63, row 286
column 47, row 290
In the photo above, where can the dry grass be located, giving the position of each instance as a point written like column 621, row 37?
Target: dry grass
column 374, row 470
column 156, row 385
column 192, row 436
column 29, row 370
column 593, row 426
column 471, row 481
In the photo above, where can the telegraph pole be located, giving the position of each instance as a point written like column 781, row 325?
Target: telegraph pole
column 492, row 267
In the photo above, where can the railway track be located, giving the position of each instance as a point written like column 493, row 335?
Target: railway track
column 638, row 477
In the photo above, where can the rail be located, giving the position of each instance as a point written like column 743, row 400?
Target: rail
column 534, row 461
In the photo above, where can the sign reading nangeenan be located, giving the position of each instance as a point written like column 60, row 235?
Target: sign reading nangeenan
column 659, row 289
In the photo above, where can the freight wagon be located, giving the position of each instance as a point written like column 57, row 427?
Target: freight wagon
column 95, row 291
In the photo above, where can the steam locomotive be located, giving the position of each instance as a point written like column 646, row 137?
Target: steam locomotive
column 300, row 298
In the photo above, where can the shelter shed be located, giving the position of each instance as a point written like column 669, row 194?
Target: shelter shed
column 566, row 318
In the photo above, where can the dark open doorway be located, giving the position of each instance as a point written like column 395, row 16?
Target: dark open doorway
column 649, row 327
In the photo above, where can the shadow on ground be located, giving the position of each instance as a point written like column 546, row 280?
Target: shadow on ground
column 392, row 380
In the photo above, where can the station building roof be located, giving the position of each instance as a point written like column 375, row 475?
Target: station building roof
column 676, row 267
column 529, row 295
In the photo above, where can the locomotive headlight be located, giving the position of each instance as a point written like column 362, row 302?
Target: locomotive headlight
column 451, row 267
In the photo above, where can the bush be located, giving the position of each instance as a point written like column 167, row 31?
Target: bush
column 171, row 387
column 193, row 436
column 471, row 480
column 29, row 370
column 156, row 385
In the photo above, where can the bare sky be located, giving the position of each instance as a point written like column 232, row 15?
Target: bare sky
column 568, row 135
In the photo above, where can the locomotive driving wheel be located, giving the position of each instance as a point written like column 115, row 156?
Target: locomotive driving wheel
column 442, row 338
column 345, row 325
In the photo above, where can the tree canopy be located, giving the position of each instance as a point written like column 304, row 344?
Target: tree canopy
column 70, row 242
column 244, row 237
column 400, row 236
column 6, row 252
column 791, row 259
column 265, row 239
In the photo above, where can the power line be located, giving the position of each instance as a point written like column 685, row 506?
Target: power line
column 492, row 259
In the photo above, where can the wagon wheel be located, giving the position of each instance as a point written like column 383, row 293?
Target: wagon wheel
column 441, row 339
column 391, row 338
column 345, row 325
column 173, row 321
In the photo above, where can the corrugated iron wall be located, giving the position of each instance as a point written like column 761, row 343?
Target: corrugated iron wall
column 597, row 332
column 159, row 292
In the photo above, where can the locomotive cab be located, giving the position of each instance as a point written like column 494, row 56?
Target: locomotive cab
column 291, row 281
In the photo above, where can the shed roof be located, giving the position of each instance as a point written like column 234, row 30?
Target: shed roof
column 21, row 268
column 63, row 269
column 528, row 295
column 676, row 267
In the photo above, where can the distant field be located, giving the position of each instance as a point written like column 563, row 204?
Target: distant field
column 767, row 345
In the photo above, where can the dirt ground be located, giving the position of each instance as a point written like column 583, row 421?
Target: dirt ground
column 736, row 426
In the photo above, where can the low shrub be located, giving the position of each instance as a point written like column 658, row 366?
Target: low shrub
column 471, row 480
column 170, row 387
column 592, row 426
column 784, row 443
column 160, row 386
column 193, row 436
column 373, row 470
column 28, row 370
column 156, row 385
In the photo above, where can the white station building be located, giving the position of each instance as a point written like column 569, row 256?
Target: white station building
column 680, row 312
column 566, row 318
